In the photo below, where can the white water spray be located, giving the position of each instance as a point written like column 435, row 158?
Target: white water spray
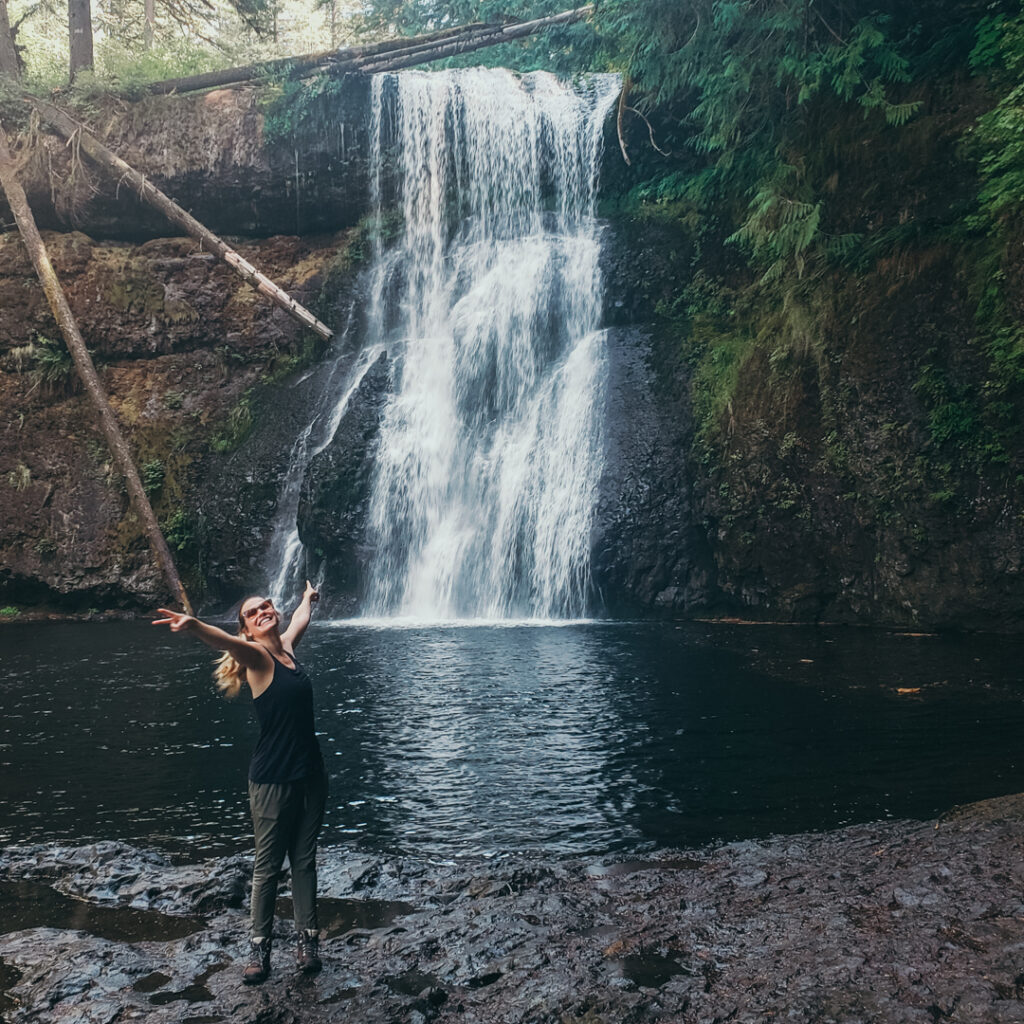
column 491, row 444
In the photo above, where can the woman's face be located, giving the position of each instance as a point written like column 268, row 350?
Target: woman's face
column 258, row 617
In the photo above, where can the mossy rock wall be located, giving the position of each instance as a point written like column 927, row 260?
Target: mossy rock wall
column 194, row 362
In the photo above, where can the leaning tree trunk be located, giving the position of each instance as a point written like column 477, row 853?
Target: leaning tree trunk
column 80, row 32
column 86, row 371
column 492, row 36
column 8, row 54
column 147, row 191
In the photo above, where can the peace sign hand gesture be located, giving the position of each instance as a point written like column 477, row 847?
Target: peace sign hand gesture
column 178, row 621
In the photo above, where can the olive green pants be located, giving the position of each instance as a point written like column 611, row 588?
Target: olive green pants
column 286, row 819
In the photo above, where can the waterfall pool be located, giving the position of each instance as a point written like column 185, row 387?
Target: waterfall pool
column 443, row 740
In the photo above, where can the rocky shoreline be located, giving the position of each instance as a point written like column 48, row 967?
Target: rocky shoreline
column 892, row 921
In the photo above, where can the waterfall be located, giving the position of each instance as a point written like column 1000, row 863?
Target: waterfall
column 488, row 303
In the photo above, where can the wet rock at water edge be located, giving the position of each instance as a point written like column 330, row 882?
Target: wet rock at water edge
column 896, row 922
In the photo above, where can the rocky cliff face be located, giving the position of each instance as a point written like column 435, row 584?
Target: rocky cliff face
column 243, row 161
column 851, row 472
column 336, row 493
column 189, row 355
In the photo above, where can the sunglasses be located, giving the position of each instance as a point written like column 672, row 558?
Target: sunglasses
column 256, row 609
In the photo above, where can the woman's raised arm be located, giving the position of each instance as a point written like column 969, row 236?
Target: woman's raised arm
column 246, row 654
column 301, row 616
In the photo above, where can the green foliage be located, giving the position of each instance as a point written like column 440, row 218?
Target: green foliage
column 987, row 53
column 152, row 473
column 778, row 228
column 718, row 359
column 126, row 69
column 9, row 611
column 236, row 427
column 977, row 430
column 178, row 530
column 1006, row 351
column 738, row 90
column 293, row 106
column 998, row 140
column 52, row 366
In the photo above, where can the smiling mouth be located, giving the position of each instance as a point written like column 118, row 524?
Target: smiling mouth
column 263, row 619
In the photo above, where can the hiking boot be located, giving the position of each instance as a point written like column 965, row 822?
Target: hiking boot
column 307, row 952
column 257, row 970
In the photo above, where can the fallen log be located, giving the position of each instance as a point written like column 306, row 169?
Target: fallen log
column 65, row 318
column 376, row 57
column 296, row 67
column 499, row 34
column 148, row 192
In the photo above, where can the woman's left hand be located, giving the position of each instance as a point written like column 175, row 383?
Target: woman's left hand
column 311, row 593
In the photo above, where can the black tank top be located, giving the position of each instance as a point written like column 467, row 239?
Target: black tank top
column 287, row 749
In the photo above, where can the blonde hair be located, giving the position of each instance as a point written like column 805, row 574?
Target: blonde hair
column 229, row 676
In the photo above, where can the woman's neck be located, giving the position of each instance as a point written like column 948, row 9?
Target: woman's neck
column 273, row 644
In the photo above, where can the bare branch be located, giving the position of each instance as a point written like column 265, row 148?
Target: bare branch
column 650, row 131
column 618, row 118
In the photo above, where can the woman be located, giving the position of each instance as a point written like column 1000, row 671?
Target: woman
column 287, row 782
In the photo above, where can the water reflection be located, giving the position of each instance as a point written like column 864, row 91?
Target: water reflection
column 585, row 738
column 500, row 745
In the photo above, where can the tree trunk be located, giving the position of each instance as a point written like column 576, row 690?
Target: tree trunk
column 80, row 32
column 149, row 28
column 492, row 36
column 147, row 191
column 343, row 59
column 375, row 57
column 86, row 371
column 8, row 54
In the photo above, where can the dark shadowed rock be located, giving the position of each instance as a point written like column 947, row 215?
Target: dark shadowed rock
column 648, row 553
column 335, row 496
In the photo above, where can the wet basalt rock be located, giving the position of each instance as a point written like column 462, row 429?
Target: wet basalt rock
column 896, row 922
column 334, row 503
column 648, row 552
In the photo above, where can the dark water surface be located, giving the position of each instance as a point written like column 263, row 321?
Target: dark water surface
column 582, row 738
column 36, row 905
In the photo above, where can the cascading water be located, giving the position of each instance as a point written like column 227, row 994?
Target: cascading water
column 489, row 303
